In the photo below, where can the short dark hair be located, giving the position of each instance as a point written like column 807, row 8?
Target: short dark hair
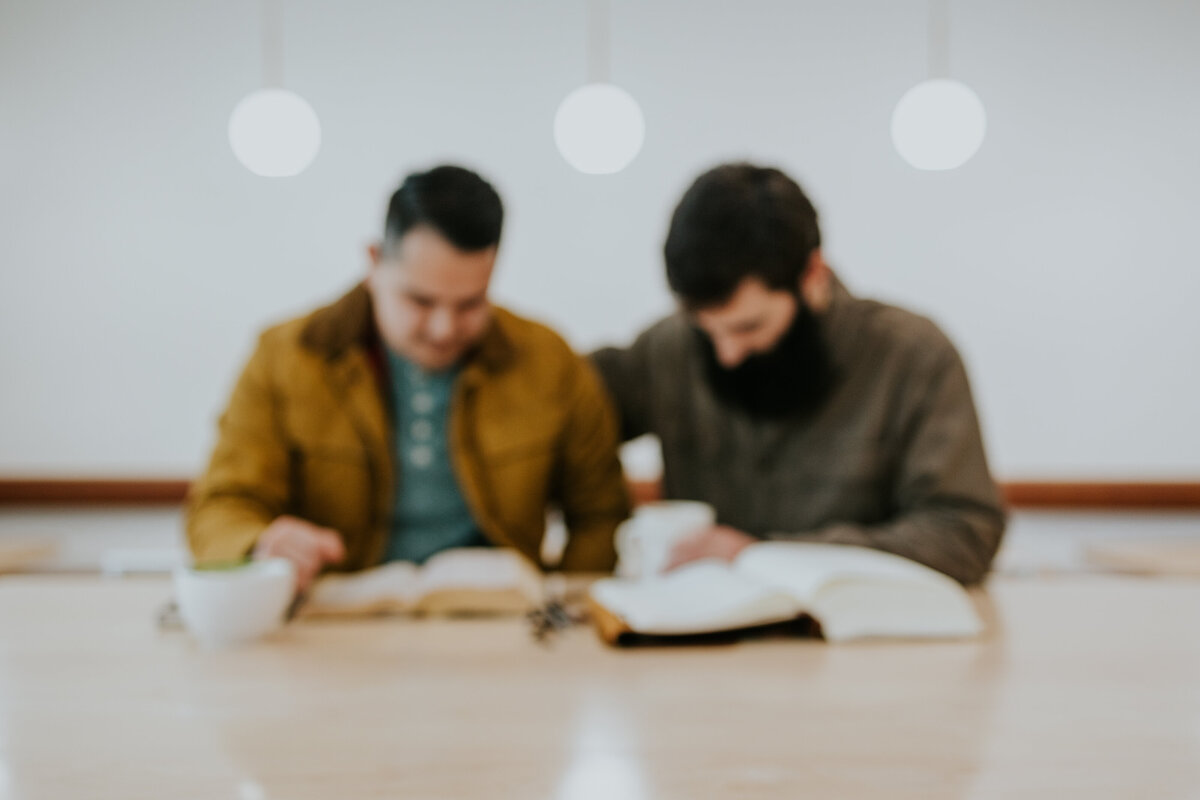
column 738, row 221
column 455, row 202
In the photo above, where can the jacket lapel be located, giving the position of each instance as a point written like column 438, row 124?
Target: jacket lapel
column 344, row 335
column 353, row 383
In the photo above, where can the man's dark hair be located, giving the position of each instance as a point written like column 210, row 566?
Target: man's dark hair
column 455, row 202
column 738, row 221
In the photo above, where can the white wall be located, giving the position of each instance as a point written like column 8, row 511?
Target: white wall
column 137, row 258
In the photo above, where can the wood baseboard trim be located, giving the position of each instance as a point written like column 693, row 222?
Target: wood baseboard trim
column 92, row 491
column 1103, row 495
column 149, row 492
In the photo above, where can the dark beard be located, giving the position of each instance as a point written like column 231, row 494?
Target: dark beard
column 792, row 378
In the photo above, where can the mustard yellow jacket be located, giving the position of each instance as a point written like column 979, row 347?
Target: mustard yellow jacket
column 308, row 432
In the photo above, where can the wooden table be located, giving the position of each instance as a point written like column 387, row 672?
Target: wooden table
column 1085, row 687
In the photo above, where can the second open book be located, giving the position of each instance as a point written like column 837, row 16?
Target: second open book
column 851, row 592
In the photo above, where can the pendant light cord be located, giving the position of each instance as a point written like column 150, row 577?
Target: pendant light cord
column 597, row 41
column 272, row 43
column 939, row 38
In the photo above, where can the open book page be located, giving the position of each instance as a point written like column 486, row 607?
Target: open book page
column 859, row 592
column 1161, row 557
column 703, row 597
column 471, row 580
column 390, row 588
column 16, row 555
column 478, row 580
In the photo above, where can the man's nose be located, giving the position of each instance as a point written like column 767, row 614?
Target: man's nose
column 729, row 352
column 441, row 325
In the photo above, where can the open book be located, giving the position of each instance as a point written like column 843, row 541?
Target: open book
column 1147, row 557
column 850, row 592
column 472, row 580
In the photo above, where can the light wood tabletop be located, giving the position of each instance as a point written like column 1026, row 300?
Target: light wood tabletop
column 1085, row 686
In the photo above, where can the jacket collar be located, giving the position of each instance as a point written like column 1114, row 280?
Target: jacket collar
column 349, row 323
column 342, row 325
column 837, row 322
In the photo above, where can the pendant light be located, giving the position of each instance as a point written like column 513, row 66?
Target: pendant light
column 939, row 124
column 274, row 132
column 599, row 128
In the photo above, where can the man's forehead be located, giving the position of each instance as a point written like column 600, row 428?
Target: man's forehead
column 450, row 273
column 436, row 284
column 752, row 298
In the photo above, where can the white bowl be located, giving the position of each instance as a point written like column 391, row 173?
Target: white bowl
column 221, row 607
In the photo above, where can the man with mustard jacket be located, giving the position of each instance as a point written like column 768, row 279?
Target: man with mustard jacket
column 411, row 416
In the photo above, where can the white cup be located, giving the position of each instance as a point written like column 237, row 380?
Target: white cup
column 644, row 541
column 223, row 607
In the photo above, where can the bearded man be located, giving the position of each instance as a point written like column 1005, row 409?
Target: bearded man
column 797, row 410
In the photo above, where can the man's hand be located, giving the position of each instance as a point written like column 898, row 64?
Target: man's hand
column 718, row 541
column 310, row 547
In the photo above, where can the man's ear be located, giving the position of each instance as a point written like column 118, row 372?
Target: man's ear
column 374, row 256
column 816, row 282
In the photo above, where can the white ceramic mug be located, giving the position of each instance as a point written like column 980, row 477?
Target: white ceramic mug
column 222, row 607
column 644, row 541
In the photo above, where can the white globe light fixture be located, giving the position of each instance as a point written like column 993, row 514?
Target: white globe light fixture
column 274, row 133
column 599, row 129
column 938, row 124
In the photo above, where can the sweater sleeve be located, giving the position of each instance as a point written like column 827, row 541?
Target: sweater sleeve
column 949, row 511
column 627, row 375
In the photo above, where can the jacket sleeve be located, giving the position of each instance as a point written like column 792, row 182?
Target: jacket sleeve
column 626, row 375
column 590, row 485
column 246, row 483
column 949, row 511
